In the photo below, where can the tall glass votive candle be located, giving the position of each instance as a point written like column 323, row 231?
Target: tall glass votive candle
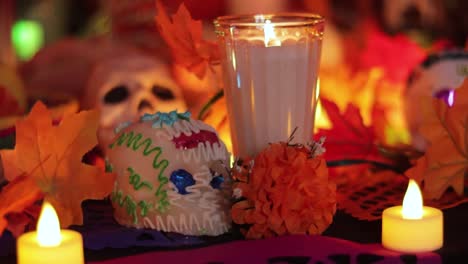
column 270, row 66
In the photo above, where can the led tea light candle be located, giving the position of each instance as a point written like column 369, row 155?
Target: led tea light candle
column 49, row 244
column 412, row 227
column 270, row 67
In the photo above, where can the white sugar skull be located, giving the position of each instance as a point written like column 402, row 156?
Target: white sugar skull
column 406, row 15
column 438, row 76
column 172, row 175
column 125, row 87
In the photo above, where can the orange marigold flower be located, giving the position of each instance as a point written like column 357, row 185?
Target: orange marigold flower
column 286, row 191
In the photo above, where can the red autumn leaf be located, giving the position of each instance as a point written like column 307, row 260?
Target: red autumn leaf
column 19, row 194
column 379, row 121
column 397, row 55
column 18, row 223
column 349, row 138
column 184, row 36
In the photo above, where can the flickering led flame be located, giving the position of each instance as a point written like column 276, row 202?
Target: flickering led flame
column 48, row 227
column 412, row 202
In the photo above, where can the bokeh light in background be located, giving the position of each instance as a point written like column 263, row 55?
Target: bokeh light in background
column 27, row 37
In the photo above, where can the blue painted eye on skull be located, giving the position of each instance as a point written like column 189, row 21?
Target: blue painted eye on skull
column 182, row 179
column 217, row 180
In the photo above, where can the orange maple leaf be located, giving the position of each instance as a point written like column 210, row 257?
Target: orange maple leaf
column 51, row 155
column 445, row 161
column 184, row 36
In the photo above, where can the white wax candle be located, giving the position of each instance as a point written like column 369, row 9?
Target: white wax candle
column 270, row 67
column 271, row 92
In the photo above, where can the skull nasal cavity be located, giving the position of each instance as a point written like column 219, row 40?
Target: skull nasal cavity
column 144, row 104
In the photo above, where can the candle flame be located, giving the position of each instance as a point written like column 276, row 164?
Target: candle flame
column 259, row 18
column 412, row 202
column 270, row 35
column 48, row 227
column 321, row 118
column 317, row 95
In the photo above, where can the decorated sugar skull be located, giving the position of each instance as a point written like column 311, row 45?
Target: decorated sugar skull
column 125, row 87
column 172, row 175
column 438, row 75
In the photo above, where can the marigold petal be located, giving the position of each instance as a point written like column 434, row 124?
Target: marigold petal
column 239, row 210
column 249, row 217
column 238, row 216
column 256, row 231
column 292, row 223
column 275, row 221
column 266, row 208
column 281, row 230
column 259, row 218
column 313, row 230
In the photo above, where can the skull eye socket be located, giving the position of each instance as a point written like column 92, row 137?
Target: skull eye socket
column 217, row 180
column 116, row 95
column 182, row 179
column 163, row 93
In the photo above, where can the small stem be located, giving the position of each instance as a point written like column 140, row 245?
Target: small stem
column 210, row 103
column 291, row 137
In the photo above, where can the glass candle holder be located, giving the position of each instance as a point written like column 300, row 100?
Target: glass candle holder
column 270, row 67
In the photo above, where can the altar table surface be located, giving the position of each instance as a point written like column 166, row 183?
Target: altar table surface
column 347, row 240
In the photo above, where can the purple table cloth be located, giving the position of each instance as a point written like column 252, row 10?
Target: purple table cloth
column 300, row 249
column 101, row 231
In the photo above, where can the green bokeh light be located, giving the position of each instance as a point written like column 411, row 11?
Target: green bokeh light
column 27, row 37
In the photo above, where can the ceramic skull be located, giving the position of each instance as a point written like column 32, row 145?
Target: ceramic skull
column 123, row 88
column 172, row 175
